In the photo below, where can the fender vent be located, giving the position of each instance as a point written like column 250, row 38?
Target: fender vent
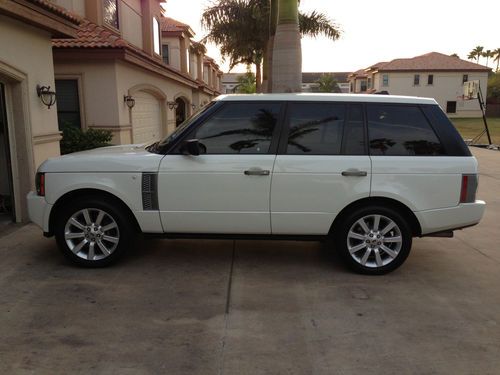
column 149, row 191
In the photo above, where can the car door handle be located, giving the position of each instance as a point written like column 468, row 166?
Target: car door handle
column 257, row 172
column 354, row 173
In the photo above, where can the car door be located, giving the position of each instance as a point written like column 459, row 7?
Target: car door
column 225, row 189
column 321, row 167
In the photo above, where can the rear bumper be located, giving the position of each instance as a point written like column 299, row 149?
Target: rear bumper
column 39, row 210
column 461, row 216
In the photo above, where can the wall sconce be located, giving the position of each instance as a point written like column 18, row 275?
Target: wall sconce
column 172, row 105
column 193, row 106
column 129, row 101
column 47, row 96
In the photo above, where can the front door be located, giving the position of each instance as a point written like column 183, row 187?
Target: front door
column 322, row 166
column 6, row 189
column 226, row 189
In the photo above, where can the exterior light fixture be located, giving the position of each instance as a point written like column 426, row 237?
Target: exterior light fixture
column 193, row 106
column 129, row 101
column 47, row 96
column 173, row 105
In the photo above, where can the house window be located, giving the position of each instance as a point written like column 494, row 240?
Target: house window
column 465, row 78
column 110, row 13
column 385, row 80
column 363, row 86
column 430, row 79
column 68, row 103
column 156, row 36
column 451, row 107
column 164, row 53
column 352, row 87
column 369, row 83
column 416, row 80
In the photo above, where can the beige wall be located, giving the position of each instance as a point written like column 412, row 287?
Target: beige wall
column 131, row 21
column 33, row 131
column 75, row 6
column 447, row 86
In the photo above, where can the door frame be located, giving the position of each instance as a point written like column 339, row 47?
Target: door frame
column 8, row 152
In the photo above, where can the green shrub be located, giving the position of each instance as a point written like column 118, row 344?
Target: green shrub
column 76, row 139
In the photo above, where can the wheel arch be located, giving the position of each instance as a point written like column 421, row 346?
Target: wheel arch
column 382, row 201
column 84, row 193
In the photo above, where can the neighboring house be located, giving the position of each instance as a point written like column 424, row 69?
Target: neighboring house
column 28, row 128
column 310, row 81
column 432, row 75
column 127, row 71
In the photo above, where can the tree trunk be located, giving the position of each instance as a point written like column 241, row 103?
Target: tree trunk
column 267, row 79
column 287, row 53
column 258, row 77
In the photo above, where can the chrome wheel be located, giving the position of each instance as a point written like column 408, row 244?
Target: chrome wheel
column 374, row 241
column 91, row 234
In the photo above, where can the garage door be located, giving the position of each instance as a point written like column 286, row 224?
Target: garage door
column 146, row 118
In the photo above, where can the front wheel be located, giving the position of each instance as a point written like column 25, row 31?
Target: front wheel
column 374, row 240
column 93, row 232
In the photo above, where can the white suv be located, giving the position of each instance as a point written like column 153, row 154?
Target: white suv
column 368, row 171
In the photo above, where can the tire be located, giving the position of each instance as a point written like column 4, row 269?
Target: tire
column 93, row 231
column 363, row 251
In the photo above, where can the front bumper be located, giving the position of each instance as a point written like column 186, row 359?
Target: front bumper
column 39, row 210
column 461, row 216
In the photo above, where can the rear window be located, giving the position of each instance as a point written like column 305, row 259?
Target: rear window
column 401, row 130
column 315, row 128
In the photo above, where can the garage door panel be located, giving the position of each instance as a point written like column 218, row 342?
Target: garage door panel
column 146, row 118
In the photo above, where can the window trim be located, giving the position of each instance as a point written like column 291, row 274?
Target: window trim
column 118, row 18
column 275, row 138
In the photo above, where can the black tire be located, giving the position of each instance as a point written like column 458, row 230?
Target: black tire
column 124, row 231
column 378, row 261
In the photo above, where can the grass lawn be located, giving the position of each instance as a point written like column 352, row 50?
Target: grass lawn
column 471, row 127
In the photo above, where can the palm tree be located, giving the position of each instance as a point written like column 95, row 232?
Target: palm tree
column 471, row 55
column 246, row 83
column 244, row 29
column 496, row 57
column 287, row 50
column 488, row 53
column 328, row 83
column 478, row 52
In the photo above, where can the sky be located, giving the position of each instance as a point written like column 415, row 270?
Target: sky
column 378, row 31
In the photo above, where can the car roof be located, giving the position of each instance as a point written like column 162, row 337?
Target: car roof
column 319, row 97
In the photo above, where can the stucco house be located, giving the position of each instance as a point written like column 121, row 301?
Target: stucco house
column 127, row 71
column 433, row 75
column 28, row 128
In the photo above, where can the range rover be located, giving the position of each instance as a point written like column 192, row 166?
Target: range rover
column 369, row 172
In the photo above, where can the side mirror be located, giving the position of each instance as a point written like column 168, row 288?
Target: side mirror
column 191, row 147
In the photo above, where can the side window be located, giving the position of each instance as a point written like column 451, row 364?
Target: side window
column 401, row 130
column 354, row 132
column 239, row 128
column 315, row 128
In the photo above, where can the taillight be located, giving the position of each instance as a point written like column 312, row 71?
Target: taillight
column 40, row 184
column 469, row 188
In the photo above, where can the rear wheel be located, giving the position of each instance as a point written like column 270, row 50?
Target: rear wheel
column 374, row 240
column 93, row 232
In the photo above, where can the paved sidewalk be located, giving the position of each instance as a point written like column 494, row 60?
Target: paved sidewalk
column 249, row 307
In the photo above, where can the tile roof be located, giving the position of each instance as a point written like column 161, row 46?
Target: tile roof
column 432, row 61
column 92, row 36
column 170, row 25
column 60, row 11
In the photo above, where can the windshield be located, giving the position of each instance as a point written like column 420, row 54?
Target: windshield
column 180, row 129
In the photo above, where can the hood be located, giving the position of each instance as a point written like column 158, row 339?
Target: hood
column 124, row 158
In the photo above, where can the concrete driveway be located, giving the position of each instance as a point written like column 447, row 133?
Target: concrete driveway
column 248, row 307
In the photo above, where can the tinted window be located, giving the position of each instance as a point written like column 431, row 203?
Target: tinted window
column 239, row 128
column 315, row 128
column 354, row 132
column 401, row 130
